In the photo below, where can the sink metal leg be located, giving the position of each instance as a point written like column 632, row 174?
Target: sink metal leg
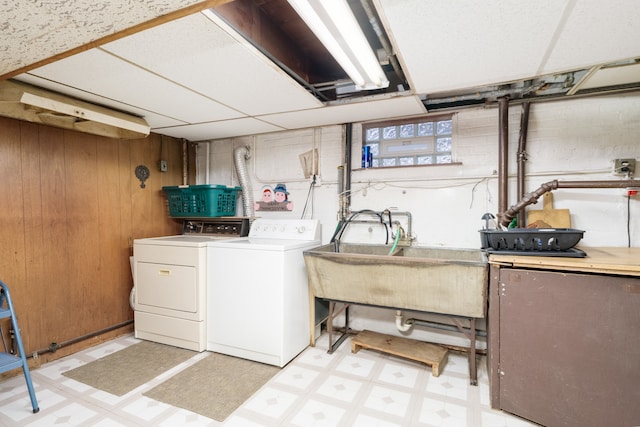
column 470, row 333
column 473, row 369
column 332, row 314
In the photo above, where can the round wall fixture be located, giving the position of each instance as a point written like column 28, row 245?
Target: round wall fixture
column 142, row 173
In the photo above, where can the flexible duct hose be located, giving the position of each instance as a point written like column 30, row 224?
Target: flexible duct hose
column 240, row 155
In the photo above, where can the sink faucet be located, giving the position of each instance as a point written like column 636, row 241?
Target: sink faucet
column 488, row 216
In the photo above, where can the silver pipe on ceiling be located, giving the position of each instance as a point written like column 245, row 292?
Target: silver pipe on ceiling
column 382, row 37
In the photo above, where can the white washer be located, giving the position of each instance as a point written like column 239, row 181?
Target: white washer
column 170, row 277
column 258, row 301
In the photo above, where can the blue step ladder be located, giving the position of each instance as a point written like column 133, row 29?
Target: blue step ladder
column 9, row 361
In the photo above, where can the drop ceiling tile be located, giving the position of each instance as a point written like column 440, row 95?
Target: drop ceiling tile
column 35, row 36
column 613, row 76
column 597, row 33
column 218, row 130
column 155, row 120
column 446, row 45
column 100, row 73
column 348, row 113
column 199, row 54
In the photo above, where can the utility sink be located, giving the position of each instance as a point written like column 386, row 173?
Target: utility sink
column 439, row 280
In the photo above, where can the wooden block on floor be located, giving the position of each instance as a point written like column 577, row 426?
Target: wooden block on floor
column 427, row 353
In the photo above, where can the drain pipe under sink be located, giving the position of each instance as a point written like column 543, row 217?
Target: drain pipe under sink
column 400, row 324
column 404, row 326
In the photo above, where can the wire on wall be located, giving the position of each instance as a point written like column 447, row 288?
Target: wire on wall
column 628, row 220
column 309, row 198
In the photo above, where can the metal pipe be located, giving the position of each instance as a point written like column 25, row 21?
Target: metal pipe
column 345, row 331
column 382, row 37
column 347, row 159
column 443, row 326
column 54, row 346
column 342, row 211
column 378, row 219
column 381, row 214
column 522, row 156
column 491, row 94
column 503, row 153
column 409, row 220
column 627, row 183
column 185, row 163
column 530, row 198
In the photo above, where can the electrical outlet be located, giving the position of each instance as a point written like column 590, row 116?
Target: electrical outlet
column 162, row 165
column 625, row 167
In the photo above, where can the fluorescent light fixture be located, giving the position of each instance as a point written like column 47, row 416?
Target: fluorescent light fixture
column 92, row 114
column 23, row 101
column 338, row 30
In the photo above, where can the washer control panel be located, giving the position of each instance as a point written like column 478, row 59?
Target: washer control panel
column 223, row 226
column 285, row 229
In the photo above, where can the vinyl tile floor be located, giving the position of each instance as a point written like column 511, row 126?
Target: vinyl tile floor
column 316, row 389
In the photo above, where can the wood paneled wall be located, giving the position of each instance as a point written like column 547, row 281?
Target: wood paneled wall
column 70, row 209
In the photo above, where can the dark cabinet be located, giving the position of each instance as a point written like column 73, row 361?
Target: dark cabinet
column 564, row 347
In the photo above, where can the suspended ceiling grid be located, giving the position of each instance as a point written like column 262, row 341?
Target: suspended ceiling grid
column 196, row 78
column 36, row 30
column 465, row 44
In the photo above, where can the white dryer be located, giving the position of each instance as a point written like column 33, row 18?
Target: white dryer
column 258, row 300
column 170, row 276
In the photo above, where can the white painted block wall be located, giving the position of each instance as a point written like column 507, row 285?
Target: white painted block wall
column 568, row 140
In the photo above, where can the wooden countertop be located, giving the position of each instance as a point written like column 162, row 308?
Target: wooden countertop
column 622, row 261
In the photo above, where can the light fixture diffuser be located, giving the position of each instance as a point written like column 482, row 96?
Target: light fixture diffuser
column 336, row 27
column 106, row 117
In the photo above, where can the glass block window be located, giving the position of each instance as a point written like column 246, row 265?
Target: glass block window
column 415, row 142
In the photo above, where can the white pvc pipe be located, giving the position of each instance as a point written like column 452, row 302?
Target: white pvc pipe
column 402, row 327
